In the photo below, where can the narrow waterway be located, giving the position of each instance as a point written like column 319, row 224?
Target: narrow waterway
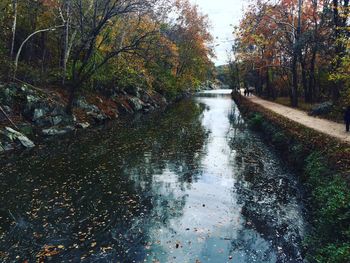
column 191, row 184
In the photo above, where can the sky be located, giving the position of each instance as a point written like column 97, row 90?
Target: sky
column 223, row 15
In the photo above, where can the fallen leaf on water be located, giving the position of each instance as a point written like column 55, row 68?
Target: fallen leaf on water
column 49, row 251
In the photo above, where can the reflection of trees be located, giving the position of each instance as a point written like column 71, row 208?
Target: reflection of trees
column 97, row 196
column 269, row 193
column 236, row 120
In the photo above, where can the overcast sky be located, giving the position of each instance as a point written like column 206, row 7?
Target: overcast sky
column 223, row 15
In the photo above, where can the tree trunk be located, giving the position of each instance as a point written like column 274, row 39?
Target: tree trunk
column 294, row 89
column 25, row 41
column 340, row 22
column 72, row 93
column 66, row 42
column 304, row 81
column 14, row 26
column 312, row 79
column 260, row 83
column 268, row 88
column 296, row 48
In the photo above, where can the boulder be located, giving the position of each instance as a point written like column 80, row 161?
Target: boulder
column 134, row 91
column 98, row 116
column 83, row 104
column 124, row 108
column 135, row 103
column 8, row 94
column 57, row 131
column 83, row 125
column 6, row 146
column 148, row 108
column 144, row 96
column 56, row 120
column 321, row 109
column 38, row 113
column 13, row 135
column 7, row 109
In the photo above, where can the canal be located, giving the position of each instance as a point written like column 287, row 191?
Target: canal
column 190, row 184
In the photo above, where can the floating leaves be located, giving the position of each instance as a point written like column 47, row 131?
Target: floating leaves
column 49, row 251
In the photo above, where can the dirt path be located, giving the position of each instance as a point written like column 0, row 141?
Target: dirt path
column 325, row 126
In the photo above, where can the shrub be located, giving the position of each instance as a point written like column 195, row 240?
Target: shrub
column 256, row 121
column 330, row 238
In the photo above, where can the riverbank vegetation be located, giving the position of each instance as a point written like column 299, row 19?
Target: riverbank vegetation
column 67, row 64
column 105, row 46
column 324, row 165
column 296, row 49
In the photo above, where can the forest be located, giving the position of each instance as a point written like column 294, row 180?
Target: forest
column 104, row 46
column 296, row 49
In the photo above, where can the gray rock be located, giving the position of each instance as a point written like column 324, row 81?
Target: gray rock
column 7, row 94
column 32, row 103
column 58, row 110
column 57, row 131
column 124, row 109
column 99, row 117
column 82, row 103
column 15, row 135
column 31, row 100
column 42, row 122
column 83, row 125
column 135, row 103
column 8, row 147
column 144, row 96
column 56, row 120
column 321, row 109
column 148, row 108
column 38, row 113
column 7, row 109
column 24, row 88
column 134, row 91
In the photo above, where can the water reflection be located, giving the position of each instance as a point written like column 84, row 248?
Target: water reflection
column 169, row 187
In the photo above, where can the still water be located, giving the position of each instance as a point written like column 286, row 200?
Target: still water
column 190, row 184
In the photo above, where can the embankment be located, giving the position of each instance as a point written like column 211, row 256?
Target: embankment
column 323, row 164
column 29, row 114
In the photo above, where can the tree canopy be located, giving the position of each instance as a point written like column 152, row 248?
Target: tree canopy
column 105, row 44
column 295, row 48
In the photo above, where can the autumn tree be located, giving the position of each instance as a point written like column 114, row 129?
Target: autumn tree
column 297, row 46
column 75, row 44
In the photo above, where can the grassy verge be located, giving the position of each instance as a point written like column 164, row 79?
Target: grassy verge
column 324, row 165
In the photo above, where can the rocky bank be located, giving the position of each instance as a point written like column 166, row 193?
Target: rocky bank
column 28, row 113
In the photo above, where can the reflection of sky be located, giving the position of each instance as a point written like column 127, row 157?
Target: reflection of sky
column 223, row 14
column 211, row 218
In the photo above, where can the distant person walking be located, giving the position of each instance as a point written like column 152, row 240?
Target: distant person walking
column 347, row 118
column 245, row 92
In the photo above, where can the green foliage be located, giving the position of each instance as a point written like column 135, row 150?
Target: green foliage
column 315, row 168
column 329, row 196
column 297, row 153
column 147, row 50
column 280, row 140
column 256, row 121
column 330, row 239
